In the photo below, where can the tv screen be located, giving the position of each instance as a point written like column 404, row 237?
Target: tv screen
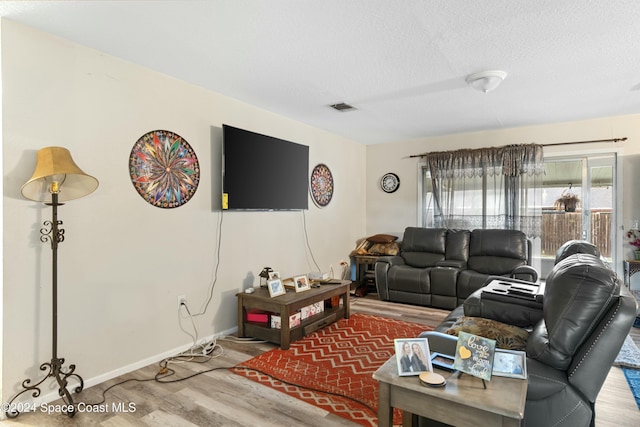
column 261, row 172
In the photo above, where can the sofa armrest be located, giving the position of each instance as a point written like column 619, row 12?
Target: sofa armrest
column 391, row 260
column 525, row 272
column 382, row 266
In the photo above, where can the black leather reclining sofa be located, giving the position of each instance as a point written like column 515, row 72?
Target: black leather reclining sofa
column 440, row 267
column 585, row 316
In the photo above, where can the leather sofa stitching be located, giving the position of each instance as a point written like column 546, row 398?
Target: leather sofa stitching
column 548, row 379
column 606, row 326
column 574, row 409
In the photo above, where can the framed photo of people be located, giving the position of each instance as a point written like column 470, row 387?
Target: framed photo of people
column 302, row 283
column 412, row 356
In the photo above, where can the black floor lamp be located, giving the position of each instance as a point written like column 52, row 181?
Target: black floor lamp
column 56, row 179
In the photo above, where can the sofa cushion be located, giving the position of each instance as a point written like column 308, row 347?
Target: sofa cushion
column 508, row 337
column 423, row 247
column 497, row 251
column 498, row 243
column 458, row 245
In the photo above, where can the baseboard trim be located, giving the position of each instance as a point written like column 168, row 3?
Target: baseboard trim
column 52, row 395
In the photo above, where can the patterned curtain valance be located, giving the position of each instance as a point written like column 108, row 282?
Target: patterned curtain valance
column 510, row 160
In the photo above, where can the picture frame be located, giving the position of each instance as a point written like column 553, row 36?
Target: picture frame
column 276, row 288
column 274, row 275
column 301, row 283
column 442, row 361
column 289, row 283
column 510, row 363
column 474, row 355
column 412, row 356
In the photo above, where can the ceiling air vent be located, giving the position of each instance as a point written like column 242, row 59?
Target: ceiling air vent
column 341, row 106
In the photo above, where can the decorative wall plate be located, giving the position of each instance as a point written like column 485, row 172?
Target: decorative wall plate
column 389, row 182
column 164, row 169
column 321, row 185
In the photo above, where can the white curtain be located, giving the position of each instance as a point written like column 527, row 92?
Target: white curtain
column 495, row 187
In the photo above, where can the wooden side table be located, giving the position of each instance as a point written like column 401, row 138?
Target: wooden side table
column 365, row 265
column 462, row 402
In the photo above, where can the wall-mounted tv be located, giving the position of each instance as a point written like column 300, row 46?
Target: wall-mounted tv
column 260, row 172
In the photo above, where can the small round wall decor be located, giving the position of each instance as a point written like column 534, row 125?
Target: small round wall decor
column 389, row 182
column 321, row 185
column 164, row 169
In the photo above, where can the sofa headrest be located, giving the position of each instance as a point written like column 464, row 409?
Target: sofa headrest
column 418, row 239
column 578, row 291
column 423, row 247
column 498, row 243
column 576, row 247
column 458, row 245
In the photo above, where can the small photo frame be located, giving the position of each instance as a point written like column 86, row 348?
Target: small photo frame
column 510, row 363
column 302, row 283
column 289, row 283
column 413, row 356
column 442, row 361
column 276, row 288
column 474, row 355
column 274, row 275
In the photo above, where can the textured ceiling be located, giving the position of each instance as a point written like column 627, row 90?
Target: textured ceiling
column 401, row 63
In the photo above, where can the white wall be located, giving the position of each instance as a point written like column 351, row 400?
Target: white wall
column 391, row 213
column 124, row 262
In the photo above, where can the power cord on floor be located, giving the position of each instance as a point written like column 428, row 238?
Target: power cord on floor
column 164, row 374
column 205, row 348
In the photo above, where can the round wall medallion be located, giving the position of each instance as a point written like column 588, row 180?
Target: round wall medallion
column 389, row 182
column 321, row 185
column 164, row 169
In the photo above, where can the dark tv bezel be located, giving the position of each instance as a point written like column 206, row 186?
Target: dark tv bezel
column 280, row 167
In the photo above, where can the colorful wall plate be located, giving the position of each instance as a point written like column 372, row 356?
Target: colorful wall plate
column 321, row 185
column 164, row 169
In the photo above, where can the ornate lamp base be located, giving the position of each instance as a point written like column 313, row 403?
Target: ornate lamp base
column 54, row 369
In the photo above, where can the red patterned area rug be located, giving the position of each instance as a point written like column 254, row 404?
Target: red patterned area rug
column 332, row 368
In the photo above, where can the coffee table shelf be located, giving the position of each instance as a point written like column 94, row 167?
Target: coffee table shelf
column 290, row 303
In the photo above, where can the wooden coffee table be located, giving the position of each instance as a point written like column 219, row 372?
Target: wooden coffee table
column 287, row 304
column 462, row 402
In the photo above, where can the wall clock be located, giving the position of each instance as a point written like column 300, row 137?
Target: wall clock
column 389, row 182
column 164, row 169
column 321, row 185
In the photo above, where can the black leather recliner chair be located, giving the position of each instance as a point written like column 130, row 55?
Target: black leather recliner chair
column 586, row 316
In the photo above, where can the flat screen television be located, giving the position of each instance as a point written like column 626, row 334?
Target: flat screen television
column 260, row 172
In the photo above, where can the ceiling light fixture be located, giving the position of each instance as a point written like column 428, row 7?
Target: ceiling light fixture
column 486, row 81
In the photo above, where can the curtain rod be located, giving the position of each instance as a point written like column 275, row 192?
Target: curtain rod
column 587, row 142
column 556, row 143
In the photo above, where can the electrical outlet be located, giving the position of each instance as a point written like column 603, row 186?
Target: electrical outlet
column 208, row 348
column 182, row 299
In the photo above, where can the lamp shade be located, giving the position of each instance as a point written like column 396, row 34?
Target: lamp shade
column 57, row 172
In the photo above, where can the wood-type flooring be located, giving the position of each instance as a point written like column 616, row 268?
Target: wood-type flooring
column 221, row 398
